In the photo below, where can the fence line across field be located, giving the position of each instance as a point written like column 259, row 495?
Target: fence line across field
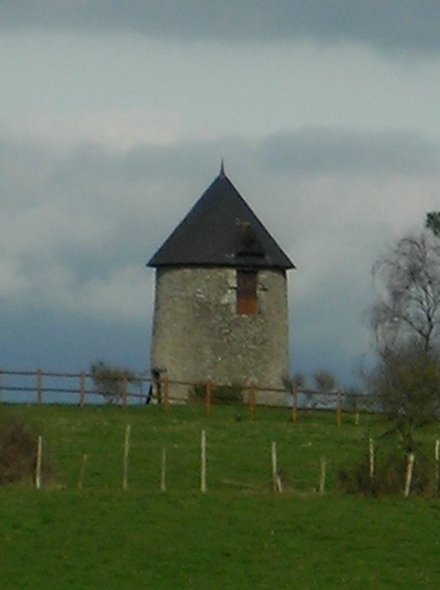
column 277, row 484
column 158, row 391
column 17, row 382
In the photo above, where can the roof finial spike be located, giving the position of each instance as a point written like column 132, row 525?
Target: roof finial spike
column 222, row 168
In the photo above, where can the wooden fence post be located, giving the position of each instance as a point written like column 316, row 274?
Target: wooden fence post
column 274, row 466
column 208, row 397
column 409, row 474
column 203, row 463
column 82, row 388
column 82, row 471
column 371, row 456
column 126, row 451
column 252, row 400
column 39, row 463
column 294, row 403
column 166, row 397
column 277, row 485
column 437, row 459
column 39, row 386
column 124, row 390
column 322, row 476
column 339, row 407
column 163, row 471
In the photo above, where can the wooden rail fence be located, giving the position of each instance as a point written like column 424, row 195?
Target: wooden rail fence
column 79, row 389
column 63, row 387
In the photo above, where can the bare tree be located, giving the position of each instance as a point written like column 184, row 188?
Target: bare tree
column 299, row 380
column 408, row 310
column 406, row 323
column 432, row 222
column 325, row 381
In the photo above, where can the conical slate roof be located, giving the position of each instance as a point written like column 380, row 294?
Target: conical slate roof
column 221, row 230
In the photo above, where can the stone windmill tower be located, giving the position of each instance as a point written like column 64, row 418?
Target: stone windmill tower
column 221, row 297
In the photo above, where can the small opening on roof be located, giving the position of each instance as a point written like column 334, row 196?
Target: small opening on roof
column 248, row 244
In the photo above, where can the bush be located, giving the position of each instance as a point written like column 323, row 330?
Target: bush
column 18, row 454
column 110, row 381
column 389, row 475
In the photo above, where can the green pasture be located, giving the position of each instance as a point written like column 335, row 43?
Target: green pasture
column 238, row 535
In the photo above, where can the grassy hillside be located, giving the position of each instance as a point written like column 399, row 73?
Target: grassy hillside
column 239, row 450
column 238, row 535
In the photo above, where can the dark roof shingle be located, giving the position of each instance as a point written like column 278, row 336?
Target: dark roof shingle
column 221, row 230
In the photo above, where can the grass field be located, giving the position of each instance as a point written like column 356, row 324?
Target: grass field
column 238, row 535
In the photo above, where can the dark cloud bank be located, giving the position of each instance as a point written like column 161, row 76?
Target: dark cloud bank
column 387, row 25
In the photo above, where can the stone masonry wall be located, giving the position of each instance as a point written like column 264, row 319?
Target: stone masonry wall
column 197, row 332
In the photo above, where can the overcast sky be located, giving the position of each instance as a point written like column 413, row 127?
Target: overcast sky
column 114, row 117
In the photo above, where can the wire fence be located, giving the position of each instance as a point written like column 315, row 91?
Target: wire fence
column 367, row 478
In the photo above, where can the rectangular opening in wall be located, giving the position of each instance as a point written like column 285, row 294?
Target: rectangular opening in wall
column 246, row 292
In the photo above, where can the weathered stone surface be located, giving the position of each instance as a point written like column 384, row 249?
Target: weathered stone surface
column 197, row 332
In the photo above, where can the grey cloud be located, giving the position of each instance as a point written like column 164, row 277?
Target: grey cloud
column 304, row 151
column 74, row 209
column 96, row 198
column 319, row 151
column 387, row 25
column 91, row 163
